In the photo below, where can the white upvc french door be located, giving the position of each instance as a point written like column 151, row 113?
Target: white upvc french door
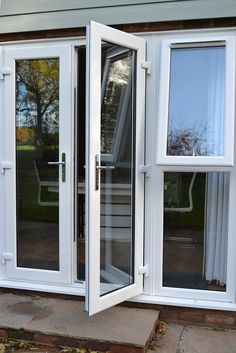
column 115, row 151
column 38, row 170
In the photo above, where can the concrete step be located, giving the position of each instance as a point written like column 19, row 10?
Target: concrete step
column 65, row 323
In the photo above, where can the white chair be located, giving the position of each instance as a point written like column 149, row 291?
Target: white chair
column 49, row 185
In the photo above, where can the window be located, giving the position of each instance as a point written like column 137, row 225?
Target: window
column 193, row 166
column 196, row 115
column 195, row 230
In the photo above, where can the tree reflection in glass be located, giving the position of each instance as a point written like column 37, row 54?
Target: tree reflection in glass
column 37, row 142
column 117, row 182
column 115, row 100
column 196, row 102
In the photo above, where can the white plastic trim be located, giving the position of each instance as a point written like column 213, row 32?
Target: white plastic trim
column 228, row 158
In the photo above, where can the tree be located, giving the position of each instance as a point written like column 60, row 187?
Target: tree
column 24, row 135
column 188, row 141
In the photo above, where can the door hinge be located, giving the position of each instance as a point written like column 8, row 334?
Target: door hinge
column 4, row 71
column 147, row 66
column 145, row 169
column 144, row 270
column 6, row 256
column 4, row 166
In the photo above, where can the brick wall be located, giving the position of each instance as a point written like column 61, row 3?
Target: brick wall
column 143, row 27
column 182, row 315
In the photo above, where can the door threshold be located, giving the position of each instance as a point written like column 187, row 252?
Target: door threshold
column 77, row 289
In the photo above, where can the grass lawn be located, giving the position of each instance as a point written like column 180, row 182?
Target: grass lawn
column 28, row 188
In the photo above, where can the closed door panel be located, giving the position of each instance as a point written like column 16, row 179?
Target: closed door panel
column 38, row 184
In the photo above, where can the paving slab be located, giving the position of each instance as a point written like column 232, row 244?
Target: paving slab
column 16, row 311
column 194, row 339
column 169, row 341
column 118, row 325
column 207, row 340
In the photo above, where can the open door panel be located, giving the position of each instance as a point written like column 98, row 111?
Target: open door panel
column 115, row 151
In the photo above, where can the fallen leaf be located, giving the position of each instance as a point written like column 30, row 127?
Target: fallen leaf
column 162, row 327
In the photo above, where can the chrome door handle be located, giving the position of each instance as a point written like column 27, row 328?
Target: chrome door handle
column 57, row 163
column 4, row 166
column 104, row 167
column 99, row 167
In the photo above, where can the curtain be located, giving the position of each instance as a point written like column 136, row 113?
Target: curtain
column 217, row 190
column 216, row 229
column 215, row 108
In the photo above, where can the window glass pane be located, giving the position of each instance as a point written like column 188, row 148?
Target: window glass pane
column 80, row 180
column 117, row 178
column 116, row 184
column 116, row 93
column 37, row 143
column 196, row 102
column 195, row 230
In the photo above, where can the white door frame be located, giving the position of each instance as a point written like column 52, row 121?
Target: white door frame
column 39, row 51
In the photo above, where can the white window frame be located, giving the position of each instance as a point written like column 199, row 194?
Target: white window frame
column 156, row 130
column 2, row 147
column 164, row 88
column 197, row 294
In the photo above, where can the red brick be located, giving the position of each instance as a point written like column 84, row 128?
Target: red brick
column 191, row 316
column 220, row 319
column 119, row 348
column 94, row 345
column 169, row 315
column 44, row 339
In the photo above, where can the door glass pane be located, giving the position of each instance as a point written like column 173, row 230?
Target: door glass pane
column 80, row 171
column 117, row 180
column 195, row 230
column 37, row 143
column 196, row 102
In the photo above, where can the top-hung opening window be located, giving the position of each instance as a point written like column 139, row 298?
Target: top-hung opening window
column 196, row 107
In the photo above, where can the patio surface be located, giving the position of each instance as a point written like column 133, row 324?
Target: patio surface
column 59, row 322
column 194, row 339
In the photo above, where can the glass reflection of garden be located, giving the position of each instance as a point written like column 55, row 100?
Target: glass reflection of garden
column 37, row 142
column 188, row 232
